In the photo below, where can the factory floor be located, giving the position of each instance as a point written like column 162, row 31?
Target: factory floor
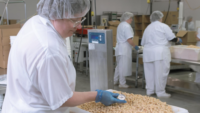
column 191, row 102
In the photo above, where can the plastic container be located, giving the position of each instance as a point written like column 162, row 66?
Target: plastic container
column 185, row 53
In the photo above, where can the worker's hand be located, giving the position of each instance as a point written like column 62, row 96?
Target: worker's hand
column 180, row 40
column 136, row 48
column 107, row 98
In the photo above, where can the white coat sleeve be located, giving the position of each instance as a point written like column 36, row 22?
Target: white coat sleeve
column 168, row 33
column 128, row 32
column 53, row 81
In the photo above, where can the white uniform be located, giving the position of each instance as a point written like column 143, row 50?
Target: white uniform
column 156, row 56
column 191, row 26
column 123, row 53
column 41, row 76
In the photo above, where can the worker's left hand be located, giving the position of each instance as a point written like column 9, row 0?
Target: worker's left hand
column 180, row 40
column 107, row 98
column 136, row 48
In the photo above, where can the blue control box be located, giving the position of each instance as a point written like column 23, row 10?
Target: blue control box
column 97, row 38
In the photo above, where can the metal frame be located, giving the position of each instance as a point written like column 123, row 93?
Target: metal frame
column 139, row 55
column 6, row 8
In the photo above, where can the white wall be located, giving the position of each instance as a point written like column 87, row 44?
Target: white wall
column 16, row 11
column 139, row 6
column 189, row 12
column 118, row 5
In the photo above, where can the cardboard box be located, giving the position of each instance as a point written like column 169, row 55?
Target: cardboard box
column 174, row 17
column 140, row 61
column 144, row 26
column 191, row 43
column 5, row 41
column 114, row 40
column 114, row 30
column 168, row 18
column 12, row 22
column 6, row 48
column 4, row 33
column 4, row 64
column 136, row 40
column 88, row 26
column 4, row 21
column 6, row 53
column 138, row 33
column 138, row 18
column 101, row 27
column 10, row 26
column 138, row 26
column 114, row 23
column 146, row 18
column 187, row 36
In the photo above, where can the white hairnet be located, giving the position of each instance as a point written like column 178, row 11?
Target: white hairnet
column 189, row 18
column 63, row 9
column 126, row 16
column 156, row 15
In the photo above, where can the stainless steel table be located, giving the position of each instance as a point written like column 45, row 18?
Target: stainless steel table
column 187, row 62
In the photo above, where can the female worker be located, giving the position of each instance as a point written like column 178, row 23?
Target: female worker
column 189, row 24
column 41, row 77
column 156, row 54
column 123, row 50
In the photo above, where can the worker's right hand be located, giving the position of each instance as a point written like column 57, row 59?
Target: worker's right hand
column 107, row 98
column 136, row 48
column 180, row 40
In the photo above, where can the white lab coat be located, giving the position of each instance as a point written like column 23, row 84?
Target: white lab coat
column 191, row 26
column 40, row 74
column 123, row 51
column 156, row 56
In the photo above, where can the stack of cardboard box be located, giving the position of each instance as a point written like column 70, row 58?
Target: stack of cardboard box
column 5, row 32
column 113, row 26
column 4, row 22
column 172, row 17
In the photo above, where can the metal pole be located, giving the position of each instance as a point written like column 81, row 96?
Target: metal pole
column 7, row 15
column 95, row 7
column 4, row 11
column 25, row 11
column 151, row 6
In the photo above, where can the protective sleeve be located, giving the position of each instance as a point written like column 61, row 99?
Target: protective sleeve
column 174, row 39
column 53, row 81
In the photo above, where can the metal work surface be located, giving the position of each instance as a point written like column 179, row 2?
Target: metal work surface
column 181, row 61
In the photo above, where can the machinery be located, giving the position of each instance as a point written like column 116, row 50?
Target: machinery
column 100, row 59
column 104, row 20
column 174, row 27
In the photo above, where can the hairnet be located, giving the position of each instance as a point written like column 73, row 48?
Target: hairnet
column 156, row 15
column 189, row 18
column 126, row 16
column 63, row 9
